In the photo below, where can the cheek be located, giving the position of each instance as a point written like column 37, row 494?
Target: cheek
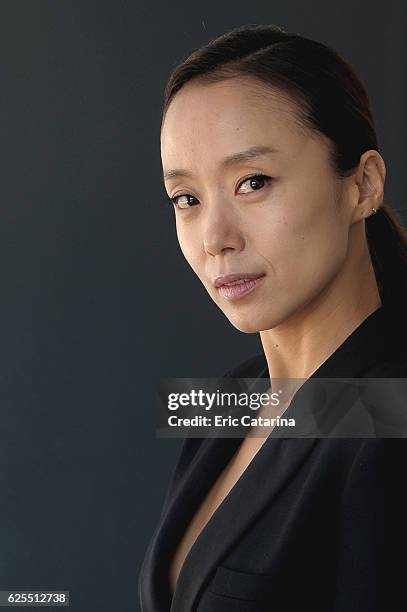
column 190, row 245
column 305, row 247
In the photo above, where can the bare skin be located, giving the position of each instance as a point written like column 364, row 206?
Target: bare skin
column 304, row 229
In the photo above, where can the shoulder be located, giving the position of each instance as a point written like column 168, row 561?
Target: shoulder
column 189, row 449
column 391, row 340
column 191, row 446
column 248, row 368
column 393, row 365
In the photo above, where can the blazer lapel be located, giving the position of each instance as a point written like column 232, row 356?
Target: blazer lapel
column 273, row 464
column 262, row 480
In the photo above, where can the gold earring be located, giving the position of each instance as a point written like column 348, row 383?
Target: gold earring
column 374, row 210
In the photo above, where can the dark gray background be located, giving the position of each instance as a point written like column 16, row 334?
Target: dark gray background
column 95, row 293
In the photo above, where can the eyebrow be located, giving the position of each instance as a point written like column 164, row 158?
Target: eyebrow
column 230, row 160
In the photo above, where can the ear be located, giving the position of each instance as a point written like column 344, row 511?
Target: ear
column 369, row 185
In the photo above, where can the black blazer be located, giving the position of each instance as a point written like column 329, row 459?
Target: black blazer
column 312, row 524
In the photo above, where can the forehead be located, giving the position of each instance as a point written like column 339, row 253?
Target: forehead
column 218, row 118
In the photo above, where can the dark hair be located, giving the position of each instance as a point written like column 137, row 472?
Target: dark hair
column 331, row 99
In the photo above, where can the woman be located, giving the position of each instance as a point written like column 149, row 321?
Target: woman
column 272, row 165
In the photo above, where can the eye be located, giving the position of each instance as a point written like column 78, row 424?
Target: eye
column 184, row 204
column 255, row 179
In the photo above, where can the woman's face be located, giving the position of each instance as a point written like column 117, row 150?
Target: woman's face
column 291, row 227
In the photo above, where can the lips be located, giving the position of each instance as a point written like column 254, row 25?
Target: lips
column 230, row 279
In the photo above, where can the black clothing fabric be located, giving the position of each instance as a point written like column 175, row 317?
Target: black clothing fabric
column 314, row 524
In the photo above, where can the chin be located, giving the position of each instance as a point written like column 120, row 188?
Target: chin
column 251, row 318
column 255, row 320
column 249, row 325
column 246, row 329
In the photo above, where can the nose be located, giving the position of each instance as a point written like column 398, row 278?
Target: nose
column 220, row 230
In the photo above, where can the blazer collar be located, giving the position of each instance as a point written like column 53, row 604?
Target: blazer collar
column 379, row 338
column 272, row 466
